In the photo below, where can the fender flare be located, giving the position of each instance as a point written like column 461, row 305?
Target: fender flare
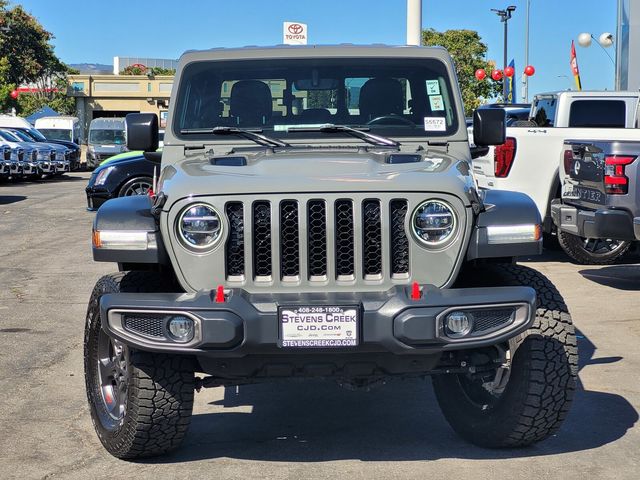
column 127, row 214
column 503, row 208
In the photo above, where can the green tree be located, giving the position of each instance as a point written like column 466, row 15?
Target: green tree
column 468, row 52
column 6, row 102
column 27, row 57
column 142, row 70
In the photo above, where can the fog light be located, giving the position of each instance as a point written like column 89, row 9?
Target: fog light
column 458, row 324
column 181, row 328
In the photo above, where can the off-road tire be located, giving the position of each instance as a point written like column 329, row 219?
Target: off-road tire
column 160, row 387
column 542, row 379
column 574, row 247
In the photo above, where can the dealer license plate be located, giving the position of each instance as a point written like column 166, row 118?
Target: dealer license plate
column 318, row 326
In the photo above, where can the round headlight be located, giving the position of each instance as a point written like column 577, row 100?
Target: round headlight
column 199, row 227
column 434, row 223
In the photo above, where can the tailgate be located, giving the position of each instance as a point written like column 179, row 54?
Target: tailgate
column 584, row 165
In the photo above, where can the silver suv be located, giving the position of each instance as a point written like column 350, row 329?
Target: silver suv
column 316, row 216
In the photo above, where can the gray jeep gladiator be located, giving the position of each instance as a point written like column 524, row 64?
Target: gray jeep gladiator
column 316, row 216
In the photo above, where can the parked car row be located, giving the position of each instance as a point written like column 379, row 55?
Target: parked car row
column 26, row 153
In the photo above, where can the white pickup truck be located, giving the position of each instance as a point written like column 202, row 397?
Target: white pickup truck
column 530, row 158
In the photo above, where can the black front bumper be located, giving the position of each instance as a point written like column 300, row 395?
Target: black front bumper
column 602, row 223
column 248, row 324
column 96, row 196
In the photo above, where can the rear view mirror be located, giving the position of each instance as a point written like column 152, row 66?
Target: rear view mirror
column 142, row 131
column 315, row 84
column 489, row 127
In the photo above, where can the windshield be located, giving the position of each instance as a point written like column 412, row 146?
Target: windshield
column 544, row 111
column 391, row 97
column 107, row 137
column 22, row 136
column 9, row 136
column 33, row 133
column 56, row 133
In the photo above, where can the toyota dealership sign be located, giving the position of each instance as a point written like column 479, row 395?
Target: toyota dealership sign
column 294, row 33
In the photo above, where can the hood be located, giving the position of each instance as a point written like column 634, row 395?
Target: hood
column 316, row 170
column 66, row 143
column 121, row 157
column 26, row 146
column 130, row 164
column 53, row 146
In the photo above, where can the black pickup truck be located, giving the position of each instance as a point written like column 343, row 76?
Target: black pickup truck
column 598, row 216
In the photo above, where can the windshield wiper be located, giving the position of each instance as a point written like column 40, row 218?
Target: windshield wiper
column 254, row 135
column 360, row 133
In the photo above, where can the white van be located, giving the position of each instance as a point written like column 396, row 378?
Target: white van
column 107, row 137
column 60, row 128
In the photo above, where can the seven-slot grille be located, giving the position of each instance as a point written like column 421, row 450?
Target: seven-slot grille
column 315, row 240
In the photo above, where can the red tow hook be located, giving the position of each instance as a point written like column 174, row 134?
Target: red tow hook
column 416, row 293
column 219, row 298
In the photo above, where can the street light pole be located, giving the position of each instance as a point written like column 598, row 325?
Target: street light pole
column 414, row 22
column 525, row 78
column 505, row 15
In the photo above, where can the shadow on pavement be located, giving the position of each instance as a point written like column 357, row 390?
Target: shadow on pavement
column 8, row 199
column 621, row 277
column 67, row 177
column 548, row 255
column 318, row 421
column 558, row 255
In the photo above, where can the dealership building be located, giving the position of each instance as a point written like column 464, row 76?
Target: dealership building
column 99, row 93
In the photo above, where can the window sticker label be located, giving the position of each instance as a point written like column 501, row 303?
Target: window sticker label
column 433, row 87
column 436, row 102
column 435, row 124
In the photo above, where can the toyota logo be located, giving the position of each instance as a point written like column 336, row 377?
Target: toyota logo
column 295, row 28
column 576, row 168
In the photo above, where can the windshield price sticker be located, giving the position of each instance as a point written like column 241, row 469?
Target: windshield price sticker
column 318, row 326
column 435, row 124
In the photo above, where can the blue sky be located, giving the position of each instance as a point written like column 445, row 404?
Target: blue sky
column 97, row 30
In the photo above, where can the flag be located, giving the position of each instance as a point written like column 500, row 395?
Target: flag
column 509, row 80
column 574, row 66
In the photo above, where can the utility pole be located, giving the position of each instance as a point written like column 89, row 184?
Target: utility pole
column 505, row 16
column 414, row 22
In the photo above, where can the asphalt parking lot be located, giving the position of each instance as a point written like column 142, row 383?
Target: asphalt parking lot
column 283, row 431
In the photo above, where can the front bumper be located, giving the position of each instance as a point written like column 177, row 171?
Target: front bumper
column 47, row 167
column 246, row 324
column 30, row 168
column 63, row 166
column 96, row 196
column 15, row 169
column 602, row 223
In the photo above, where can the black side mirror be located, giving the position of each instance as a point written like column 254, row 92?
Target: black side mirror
column 142, row 131
column 489, row 127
